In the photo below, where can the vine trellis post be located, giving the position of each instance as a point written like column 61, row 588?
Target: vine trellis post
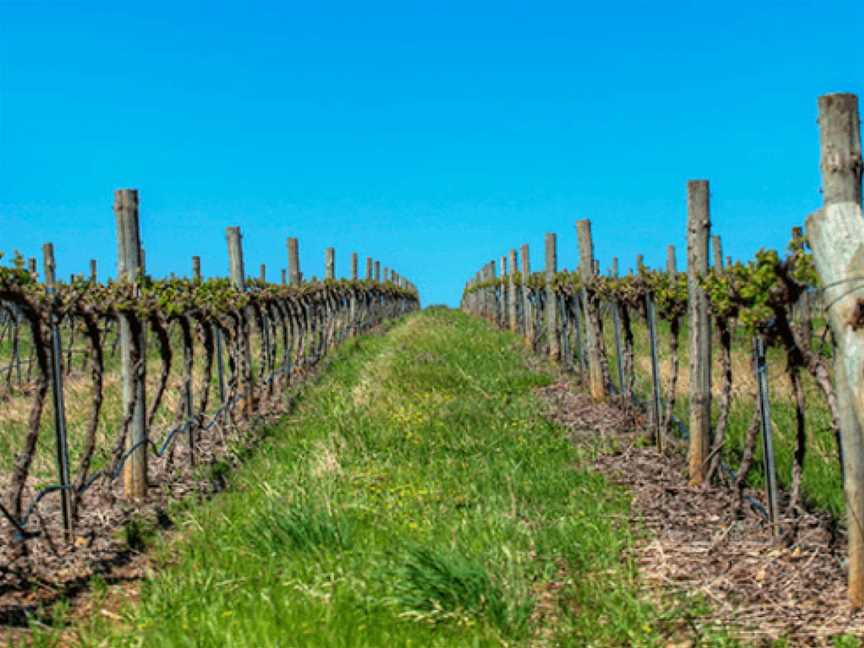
column 526, row 294
column 238, row 279
column 512, row 303
column 330, row 263
column 551, row 268
column 592, row 317
column 698, row 231
column 130, row 261
column 836, row 236
column 294, row 262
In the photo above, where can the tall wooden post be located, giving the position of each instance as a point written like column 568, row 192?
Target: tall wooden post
column 354, row 266
column 592, row 341
column 368, row 268
column 377, row 272
column 613, row 268
column 196, row 268
column 238, row 279
column 235, row 257
column 698, row 231
column 527, row 313
column 262, row 272
column 93, row 274
column 129, row 266
column 717, row 252
column 284, row 277
column 671, row 263
column 294, row 262
column 511, row 294
column 551, row 269
column 330, row 263
column 836, row 236
column 502, row 292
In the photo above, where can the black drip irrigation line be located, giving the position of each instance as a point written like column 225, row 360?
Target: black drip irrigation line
column 23, row 533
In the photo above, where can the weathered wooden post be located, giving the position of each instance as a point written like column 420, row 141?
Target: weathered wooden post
column 294, row 262
column 284, row 277
column 196, row 268
column 129, row 266
column 511, row 294
column 698, row 231
column 62, row 445
column 836, row 236
column 502, row 292
column 355, row 261
column 671, row 263
column 262, row 272
column 93, row 274
column 592, row 333
column 330, row 263
column 717, row 252
column 527, row 313
column 368, row 268
column 238, row 279
column 616, row 323
column 235, row 258
column 31, row 265
column 377, row 272
column 551, row 270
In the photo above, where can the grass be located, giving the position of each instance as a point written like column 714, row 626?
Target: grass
column 416, row 497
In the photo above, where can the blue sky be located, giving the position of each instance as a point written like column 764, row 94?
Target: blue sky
column 431, row 136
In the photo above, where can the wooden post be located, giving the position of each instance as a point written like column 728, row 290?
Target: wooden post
column 31, row 265
column 836, row 236
column 511, row 293
column 502, row 292
column 330, row 263
column 238, row 278
column 377, row 272
column 284, row 277
column 262, row 272
column 613, row 268
column 235, row 257
column 671, row 263
column 196, row 268
column 551, row 269
column 368, row 268
column 129, row 266
column 717, row 252
column 640, row 262
column 592, row 341
column 354, row 266
column 294, row 262
column 527, row 314
column 698, row 231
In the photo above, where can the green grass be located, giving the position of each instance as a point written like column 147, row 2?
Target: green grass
column 416, row 497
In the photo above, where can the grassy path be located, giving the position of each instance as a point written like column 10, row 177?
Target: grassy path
column 416, row 497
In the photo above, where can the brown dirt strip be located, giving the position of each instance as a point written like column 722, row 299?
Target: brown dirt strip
column 702, row 542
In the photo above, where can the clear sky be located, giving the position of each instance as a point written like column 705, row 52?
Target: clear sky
column 432, row 136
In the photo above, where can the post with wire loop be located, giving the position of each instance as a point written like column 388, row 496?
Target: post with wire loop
column 57, row 396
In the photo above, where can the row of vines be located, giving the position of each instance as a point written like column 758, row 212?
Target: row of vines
column 212, row 360
column 765, row 370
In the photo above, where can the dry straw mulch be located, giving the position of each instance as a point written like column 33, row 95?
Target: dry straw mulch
column 703, row 542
